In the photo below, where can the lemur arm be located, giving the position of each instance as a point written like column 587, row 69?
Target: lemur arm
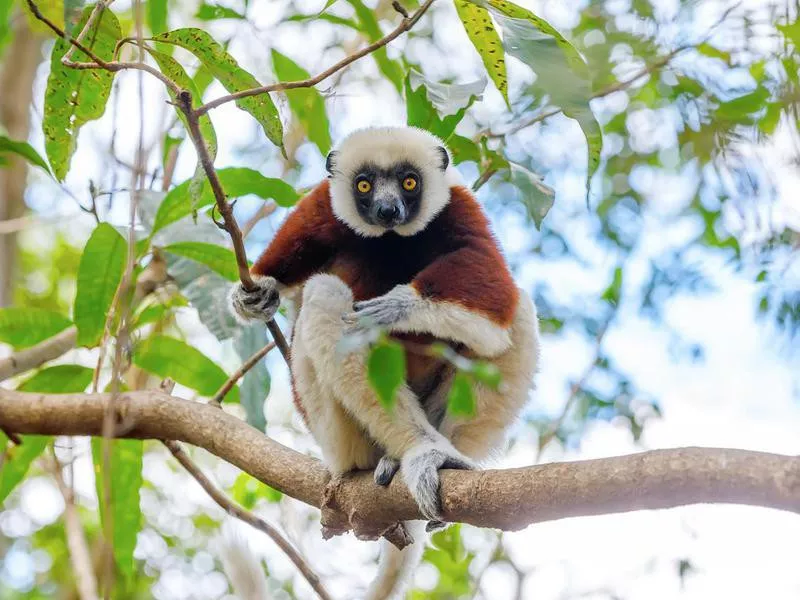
column 304, row 243
column 466, row 295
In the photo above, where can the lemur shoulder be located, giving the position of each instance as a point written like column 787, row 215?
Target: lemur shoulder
column 392, row 239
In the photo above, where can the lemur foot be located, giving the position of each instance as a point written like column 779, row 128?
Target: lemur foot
column 432, row 526
column 420, row 467
column 386, row 470
column 259, row 304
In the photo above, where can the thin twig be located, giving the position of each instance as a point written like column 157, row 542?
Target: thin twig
column 266, row 210
column 79, row 555
column 240, row 513
column 240, row 372
column 406, row 24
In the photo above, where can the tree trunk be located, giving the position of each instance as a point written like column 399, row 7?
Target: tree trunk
column 16, row 82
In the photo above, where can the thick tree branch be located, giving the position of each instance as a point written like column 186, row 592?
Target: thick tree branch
column 37, row 355
column 506, row 499
column 237, row 511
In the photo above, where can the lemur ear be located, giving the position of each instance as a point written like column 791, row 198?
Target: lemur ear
column 444, row 156
column 330, row 161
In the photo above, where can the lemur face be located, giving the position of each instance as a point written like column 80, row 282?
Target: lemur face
column 389, row 179
column 388, row 197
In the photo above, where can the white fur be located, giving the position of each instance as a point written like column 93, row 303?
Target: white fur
column 385, row 147
column 450, row 321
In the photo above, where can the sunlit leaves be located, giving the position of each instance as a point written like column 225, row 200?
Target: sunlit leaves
column 233, row 78
column 99, row 274
column 447, row 553
column 23, row 149
column 369, row 25
column 236, row 181
column 76, row 96
column 24, row 327
column 59, row 379
column 307, row 104
column 480, row 29
column 18, row 460
column 247, row 491
column 169, row 357
column 157, row 16
column 218, row 259
column 125, row 481
column 210, row 12
column 386, row 370
column 561, row 71
column 439, row 107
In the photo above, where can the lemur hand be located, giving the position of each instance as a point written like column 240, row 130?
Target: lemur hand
column 258, row 304
column 383, row 311
column 386, row 470
column 420, row 467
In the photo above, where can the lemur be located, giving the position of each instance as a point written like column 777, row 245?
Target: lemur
column 392, row 239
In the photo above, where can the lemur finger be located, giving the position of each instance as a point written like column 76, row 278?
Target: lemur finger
column 386, row 470
column 457, row 462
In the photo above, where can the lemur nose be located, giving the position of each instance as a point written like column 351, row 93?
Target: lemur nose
column 388, row 214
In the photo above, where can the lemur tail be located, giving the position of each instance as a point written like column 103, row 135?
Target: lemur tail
column 396, row 567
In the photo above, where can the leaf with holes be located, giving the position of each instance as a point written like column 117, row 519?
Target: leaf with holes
column 461, row 397
column 173, row 69
column 236, row 181
column 560, row 69
column 386, row 370
column 169, row 357
column 218, row 259
column 99, row 275
column 25, row 327
column 307, row 104
column 233, row 78
column 76, row 96
column 125, row 473
column 484, row 37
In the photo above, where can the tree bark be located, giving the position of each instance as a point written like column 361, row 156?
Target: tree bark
column 16, row 82
column 506, row 499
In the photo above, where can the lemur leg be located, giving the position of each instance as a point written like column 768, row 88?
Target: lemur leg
column 477, row 436
column 344, row 443
column 404, row 431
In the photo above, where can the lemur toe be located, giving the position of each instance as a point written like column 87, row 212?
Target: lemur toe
column 435, row 525
column 260, row 303
column 420, row 469
column 386, row 470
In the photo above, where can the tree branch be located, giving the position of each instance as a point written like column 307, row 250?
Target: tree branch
column 37, row 355
column 237, row 511
column 407, row 23
column 506, row 499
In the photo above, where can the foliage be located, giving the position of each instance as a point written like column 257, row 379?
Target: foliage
column 654, row 119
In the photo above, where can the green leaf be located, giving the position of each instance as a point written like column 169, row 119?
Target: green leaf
column 461, row 397
column 218, row 259
column 18, row 460
column 481, row 32
column 99, row 275
column 463, row 149
column 210, row 12
column 76, row 96
column 168, row 357
column 792, row 32
column 247, row 490
column 559, row 67
column 25, row 327
column 232, row 77
column 614, row 289
column 59, row 379
column 369, row 25
column 6, row 7
column 255, row 384
column 236, row 181
column 438, row 107
column 23, row 149
column 386, row 370
column 157, row 16
column 125, row 471
column 306, row 103
column 535, row 195
column 173, row 69
column 488, row 374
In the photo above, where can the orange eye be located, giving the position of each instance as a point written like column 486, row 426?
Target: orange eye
column 364, row 186
column 410, row 184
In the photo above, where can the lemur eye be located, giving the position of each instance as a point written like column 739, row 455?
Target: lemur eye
column 410, row 184
column 363, row 186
